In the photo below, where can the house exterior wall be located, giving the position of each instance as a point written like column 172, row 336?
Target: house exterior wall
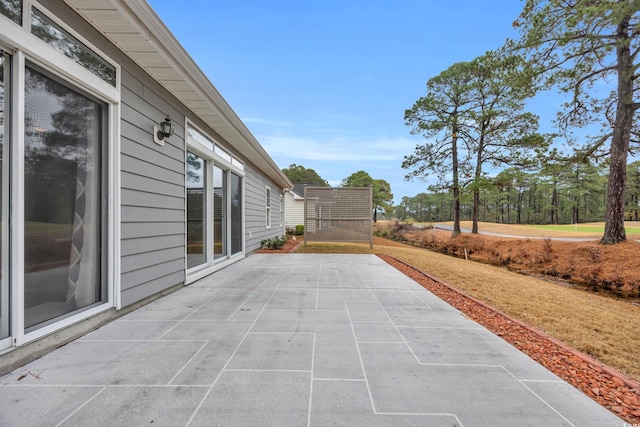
column 146, row 200
column 152, row 181
column 153, row 211
column 255, row 210
column 153, row 194
column 294, row 210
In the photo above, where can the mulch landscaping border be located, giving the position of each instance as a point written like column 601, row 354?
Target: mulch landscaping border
column 611, row 389
column 290, row 247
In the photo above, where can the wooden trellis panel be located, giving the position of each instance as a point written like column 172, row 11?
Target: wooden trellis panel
column 341, row 214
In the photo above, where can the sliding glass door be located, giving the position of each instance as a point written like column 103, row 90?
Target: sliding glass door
column 219, row 213
column 215, row 229
column 196, row 210
column 5, row 114
column 235, row 194
column 59, row 115
column 63, row 199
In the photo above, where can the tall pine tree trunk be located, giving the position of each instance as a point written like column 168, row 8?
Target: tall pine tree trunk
column 476, row 190
column 554, row 204
column 614, row 231
column 456, row 184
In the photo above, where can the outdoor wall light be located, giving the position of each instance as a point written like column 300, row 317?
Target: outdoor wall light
column 162, row 131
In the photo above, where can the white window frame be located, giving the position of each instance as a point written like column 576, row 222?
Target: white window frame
column 213, row 158
column 267, row 204
column 25, row 46
column 281, row 210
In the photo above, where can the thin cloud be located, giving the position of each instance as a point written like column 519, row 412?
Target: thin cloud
column 336, row 149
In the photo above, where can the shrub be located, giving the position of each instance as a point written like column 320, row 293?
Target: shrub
column 298, row 230
column 276, row 242
column 547, row 250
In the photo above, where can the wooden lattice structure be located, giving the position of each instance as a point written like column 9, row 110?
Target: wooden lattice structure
column 341, row 214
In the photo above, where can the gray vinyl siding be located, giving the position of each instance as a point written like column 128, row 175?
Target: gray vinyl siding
column 152, row 180
column 152, row 198
column 255, row 210
column 152, row 176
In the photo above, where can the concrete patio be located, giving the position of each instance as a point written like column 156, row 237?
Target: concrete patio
column 294, row 340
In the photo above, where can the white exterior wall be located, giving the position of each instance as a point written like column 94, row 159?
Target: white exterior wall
column 293, row 210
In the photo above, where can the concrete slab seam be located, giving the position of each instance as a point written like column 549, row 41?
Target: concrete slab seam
column 206, row 395
column 539, row 397
column 364, row 372
column 396, row 328
column 313, row 361
column 188, row 362
column 243, row 303
column 82, row 406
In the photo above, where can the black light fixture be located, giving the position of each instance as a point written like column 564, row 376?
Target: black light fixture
column 162, row 131
column 167, row 127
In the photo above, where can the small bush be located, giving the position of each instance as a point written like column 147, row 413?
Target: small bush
column 547, row 250
column 298, row 230
column 274, row 242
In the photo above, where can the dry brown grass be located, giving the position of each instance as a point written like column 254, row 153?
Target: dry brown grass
column 606, row 328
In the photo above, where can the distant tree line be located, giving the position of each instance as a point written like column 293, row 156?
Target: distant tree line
column 558, row 194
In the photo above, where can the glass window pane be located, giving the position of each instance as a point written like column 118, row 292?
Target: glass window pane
column 54, row 35
column 237, row 163
column 267, row 204
column 197, row 136
column 63, row 245
column 12, row 9
column 219, row 213
column 222, row 153
column 235, row 191
column 5, row 67
column 196, row 210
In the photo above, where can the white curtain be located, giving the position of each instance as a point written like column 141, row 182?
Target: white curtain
column 84, row 260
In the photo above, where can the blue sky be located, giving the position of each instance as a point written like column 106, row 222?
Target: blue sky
column 325, row 84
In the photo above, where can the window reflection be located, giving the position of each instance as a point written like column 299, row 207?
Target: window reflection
column 5, row 67
column 236, row 213
column 62, row 199
column 196, row 210
column 219, row 213
column 54, row 35
column 12, row 9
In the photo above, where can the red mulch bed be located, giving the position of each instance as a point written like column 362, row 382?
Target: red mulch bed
column 614, row 391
